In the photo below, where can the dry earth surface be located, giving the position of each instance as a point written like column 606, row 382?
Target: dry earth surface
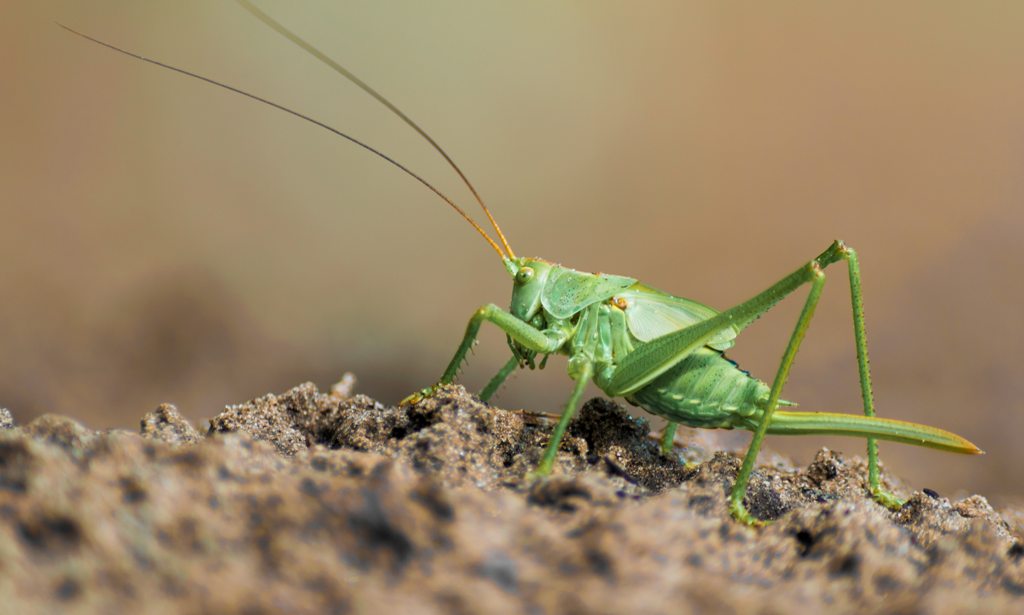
column 333, row 503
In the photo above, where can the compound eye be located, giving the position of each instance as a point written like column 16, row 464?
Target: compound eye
column 525, row 275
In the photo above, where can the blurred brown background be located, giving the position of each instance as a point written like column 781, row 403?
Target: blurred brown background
column 161, row 240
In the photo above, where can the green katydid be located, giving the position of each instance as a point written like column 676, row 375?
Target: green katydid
column 660, row 352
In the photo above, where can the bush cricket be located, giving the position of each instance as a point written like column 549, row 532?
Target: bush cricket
column 660, row 352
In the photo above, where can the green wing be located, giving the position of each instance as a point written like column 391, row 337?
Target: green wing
column 651, row 313
column 568, row 291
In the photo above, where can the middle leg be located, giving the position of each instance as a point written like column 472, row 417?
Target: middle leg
column 586, row 370
column 499, row 379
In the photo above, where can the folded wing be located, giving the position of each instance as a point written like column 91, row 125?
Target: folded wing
column 651, row 313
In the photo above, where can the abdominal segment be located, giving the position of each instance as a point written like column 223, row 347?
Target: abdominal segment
column 705, row 390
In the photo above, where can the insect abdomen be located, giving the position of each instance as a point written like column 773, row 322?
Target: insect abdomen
column 704, row 390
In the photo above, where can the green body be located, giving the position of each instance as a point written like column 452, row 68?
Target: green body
column 661, row 352
column 602, row 318
column 666, row 354
column 705, row 390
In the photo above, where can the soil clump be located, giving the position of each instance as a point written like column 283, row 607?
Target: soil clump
column 334, row 503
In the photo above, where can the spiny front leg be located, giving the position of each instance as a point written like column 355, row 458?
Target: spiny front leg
column 539, row 341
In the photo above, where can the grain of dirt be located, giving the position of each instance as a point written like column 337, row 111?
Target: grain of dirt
column 311, row 502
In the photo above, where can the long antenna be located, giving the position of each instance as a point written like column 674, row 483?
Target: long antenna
column 302, row 116
column 344, row 72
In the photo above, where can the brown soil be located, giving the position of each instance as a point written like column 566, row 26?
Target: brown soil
column 331, row 503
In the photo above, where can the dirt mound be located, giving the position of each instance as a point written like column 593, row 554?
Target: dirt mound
column 311, row 502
